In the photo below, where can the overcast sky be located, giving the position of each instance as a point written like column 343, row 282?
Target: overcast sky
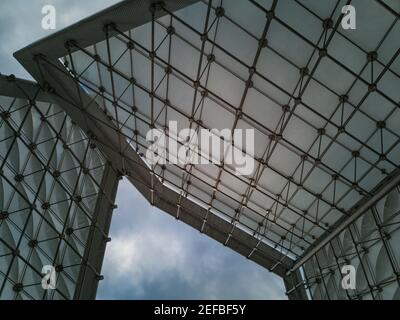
column 152, row 255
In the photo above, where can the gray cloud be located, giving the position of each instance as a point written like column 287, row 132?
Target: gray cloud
column 154, row 256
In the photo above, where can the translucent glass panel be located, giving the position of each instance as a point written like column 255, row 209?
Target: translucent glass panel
column 50, row 175
column 322, row 101
column 371, row 245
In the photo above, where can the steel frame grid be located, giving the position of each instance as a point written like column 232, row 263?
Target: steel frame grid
column 132, row 166
column 136, row 117
column 164, row 198
column 336, row 176
column 275, row 135
column 370, row 243
column 176, row 187
column 25, row 96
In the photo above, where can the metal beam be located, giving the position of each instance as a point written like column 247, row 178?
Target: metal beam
column 128, row 14
column 90, row 273
column 381, row 190
column 23, row 89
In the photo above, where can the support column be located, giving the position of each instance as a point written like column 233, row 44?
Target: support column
column 90, row 273
column 295, row 289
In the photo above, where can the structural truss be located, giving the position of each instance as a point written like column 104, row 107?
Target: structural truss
column 323, row 101
column 56, row 197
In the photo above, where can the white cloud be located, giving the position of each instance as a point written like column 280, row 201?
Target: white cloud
column 133, row 254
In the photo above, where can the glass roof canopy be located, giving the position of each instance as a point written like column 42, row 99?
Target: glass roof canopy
column 323, row 102
column 52, row 183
